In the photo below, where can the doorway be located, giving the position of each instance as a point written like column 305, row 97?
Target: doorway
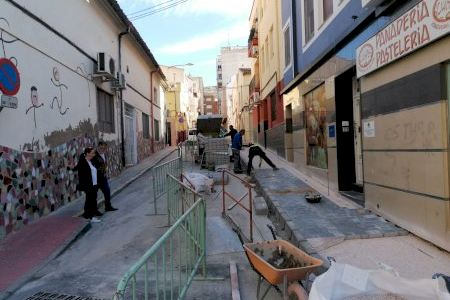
column 288, row 135
column 130, row 136
column 348, row 136
column 168, row 134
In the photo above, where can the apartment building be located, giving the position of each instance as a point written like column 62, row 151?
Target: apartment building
column 366, row 89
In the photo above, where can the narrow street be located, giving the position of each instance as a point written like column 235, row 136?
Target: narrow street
column 94, row 263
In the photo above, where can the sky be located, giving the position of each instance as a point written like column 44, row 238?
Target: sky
column 192, row 31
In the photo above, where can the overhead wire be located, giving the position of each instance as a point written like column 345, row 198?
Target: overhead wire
column 149, row 8
column 155, row 9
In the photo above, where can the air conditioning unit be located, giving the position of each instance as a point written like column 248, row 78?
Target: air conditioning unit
column 119, row 82
column 106, row 66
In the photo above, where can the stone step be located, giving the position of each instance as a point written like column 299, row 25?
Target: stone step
column 260, row 206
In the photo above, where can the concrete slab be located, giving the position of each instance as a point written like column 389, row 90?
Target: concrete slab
column 221, row 238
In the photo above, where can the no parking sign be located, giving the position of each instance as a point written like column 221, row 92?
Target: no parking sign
column 9, row 77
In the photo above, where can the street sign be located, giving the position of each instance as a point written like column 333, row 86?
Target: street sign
column 8, row 101
column 9, row 77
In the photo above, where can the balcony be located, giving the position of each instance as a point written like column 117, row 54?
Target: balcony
column 253, row 43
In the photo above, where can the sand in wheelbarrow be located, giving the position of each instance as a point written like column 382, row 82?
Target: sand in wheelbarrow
column 280, row 259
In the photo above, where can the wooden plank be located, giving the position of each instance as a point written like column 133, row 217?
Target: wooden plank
column 235, row 294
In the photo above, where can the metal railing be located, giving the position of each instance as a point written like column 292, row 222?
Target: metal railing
column 173, row 167
column 180, row 197
column 238, row 202
column 187, row 150
column 167, row 269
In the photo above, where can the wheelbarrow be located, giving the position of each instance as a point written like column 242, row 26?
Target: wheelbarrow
column 280, row 262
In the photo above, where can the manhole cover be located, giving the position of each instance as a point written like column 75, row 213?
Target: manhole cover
column 53, row 296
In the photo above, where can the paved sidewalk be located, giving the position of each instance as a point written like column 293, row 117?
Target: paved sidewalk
column 339, row 227
column 24, row 252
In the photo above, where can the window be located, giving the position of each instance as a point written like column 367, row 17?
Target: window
column 145, row 126
column 105, row 111
column 309, row 20
column 327, row 9
column 267, row 51
column 287, row 45
column 156, row 129
column 271, row 42
column 209, row 106
column 273, row 104
column 263, row 52
column 155, row 96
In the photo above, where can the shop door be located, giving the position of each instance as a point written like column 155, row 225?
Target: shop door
column 130, row 136
column 345, row 141
column 357, row 132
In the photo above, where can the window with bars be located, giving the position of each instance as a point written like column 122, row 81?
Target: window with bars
column 105, row 112
column 145, row 126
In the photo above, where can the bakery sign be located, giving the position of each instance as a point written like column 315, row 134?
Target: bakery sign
column 425, row 22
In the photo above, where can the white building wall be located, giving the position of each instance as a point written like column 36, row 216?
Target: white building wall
column 41, row 56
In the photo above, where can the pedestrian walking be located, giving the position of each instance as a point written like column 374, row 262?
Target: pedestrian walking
column 88, row 183
column 255, row 150
column 100, row 162
column 236, row 147
column 231, row 134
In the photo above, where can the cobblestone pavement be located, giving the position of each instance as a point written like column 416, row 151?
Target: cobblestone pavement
column 285, row 194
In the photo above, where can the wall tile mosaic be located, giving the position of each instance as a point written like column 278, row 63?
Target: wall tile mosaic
column 33, row 184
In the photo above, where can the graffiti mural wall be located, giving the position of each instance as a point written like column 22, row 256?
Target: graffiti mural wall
column 33, row 184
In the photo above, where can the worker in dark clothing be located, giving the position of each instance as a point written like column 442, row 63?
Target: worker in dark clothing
column 257, row 151
column 231, row 134
column 236, row 147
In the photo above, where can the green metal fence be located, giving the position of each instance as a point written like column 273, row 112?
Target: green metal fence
column 173, row 167
column 167, row 269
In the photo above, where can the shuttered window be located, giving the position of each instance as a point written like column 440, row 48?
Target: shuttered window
column 105, row 112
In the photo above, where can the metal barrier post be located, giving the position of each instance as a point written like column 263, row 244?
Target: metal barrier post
column 189, row 234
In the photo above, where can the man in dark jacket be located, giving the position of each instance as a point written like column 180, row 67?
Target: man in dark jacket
column 236, row 147
column 231, row 134
column 99, row 162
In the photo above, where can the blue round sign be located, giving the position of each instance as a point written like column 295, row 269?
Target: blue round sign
column 9, row 77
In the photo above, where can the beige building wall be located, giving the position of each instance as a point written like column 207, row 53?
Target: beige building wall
column 269, row 31
column 406, row 169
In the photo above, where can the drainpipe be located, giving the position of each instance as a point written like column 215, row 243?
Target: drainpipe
column 122, row 135
column 152, row 136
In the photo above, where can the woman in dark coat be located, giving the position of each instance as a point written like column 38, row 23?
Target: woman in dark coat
column 87, row 177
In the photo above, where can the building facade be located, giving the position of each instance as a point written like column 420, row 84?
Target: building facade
column 366, row 105
column 62, row 93
column 264, row 43
column 228, row 63
column 211, row 102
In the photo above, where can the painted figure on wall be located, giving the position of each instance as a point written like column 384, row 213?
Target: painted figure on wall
column 316, row 125
column 59, row 100
column 34, row 103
